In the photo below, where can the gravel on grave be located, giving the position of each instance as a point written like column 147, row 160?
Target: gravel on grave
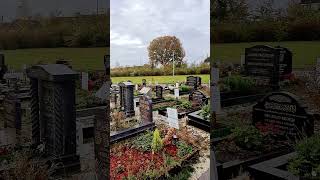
column 203, row 138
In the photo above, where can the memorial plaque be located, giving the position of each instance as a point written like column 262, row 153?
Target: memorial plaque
column 176, row 93
column 145, row 105
column 282, row 114
column 173, row 118
column 262, row 62
column 198, row 98
column 159, row 92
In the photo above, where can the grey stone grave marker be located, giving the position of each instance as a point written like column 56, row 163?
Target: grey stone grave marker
column 145, row 106
column 84, row 80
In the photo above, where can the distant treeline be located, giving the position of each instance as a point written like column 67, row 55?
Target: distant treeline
column 266, row 23
column 146, row 70
column 80, row 31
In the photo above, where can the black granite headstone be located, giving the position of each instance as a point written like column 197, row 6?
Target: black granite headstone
column 12, row 111
column 144, row 82
column 263, row 62
column 159, row 92
column 53, row 110
column 3, row 67
column 285, row 61
column 282, row 114
column 127, row 98
column 193, row 81
column 198, row 98
column 145, row 106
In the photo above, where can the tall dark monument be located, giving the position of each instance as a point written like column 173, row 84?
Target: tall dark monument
column 3, row 67
column 53, row 110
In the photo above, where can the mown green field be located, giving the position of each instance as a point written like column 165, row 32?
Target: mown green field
column 304, row 53
column 81, row 58
column 159, row 79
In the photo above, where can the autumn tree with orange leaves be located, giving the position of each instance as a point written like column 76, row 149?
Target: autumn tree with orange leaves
column 164, row 50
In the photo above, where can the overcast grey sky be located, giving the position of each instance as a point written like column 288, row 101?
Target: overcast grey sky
column 8, row 8
column 135, row 23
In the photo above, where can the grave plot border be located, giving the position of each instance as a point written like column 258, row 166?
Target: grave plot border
column 270, row 169
column 227, row 101
column 181, row 115
column 227, row 170
column 181, row 93
column 127, row 133
column 194, row 119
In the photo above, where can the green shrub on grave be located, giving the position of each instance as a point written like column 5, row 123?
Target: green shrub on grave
column 247, row 137
column 306, row 163
column 238, row 83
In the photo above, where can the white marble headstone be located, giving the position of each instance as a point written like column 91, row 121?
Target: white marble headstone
column 173, row 118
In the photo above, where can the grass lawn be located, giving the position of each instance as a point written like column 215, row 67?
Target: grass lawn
column 304, row 53
column 159, row 79
column 81, row 58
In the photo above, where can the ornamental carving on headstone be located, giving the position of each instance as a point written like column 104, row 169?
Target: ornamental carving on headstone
column 282, row 114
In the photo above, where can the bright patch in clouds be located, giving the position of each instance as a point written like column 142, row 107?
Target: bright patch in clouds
column 135, row 23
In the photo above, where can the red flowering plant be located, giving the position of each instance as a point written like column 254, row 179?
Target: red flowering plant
column 268, row 128
column 150, row 155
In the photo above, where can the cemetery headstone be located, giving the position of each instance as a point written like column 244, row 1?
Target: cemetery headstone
column 282, row 114
column 146, row 113
column 126, row 98
column 146, row 91
column 159, row 92
column 262, row 62
column 193, row 81
column 176, row 93
column 285, row 61
column 84, row 80
column 53, row 110
column 215, row 92
column 318, row 72
column 197, row 98
column 173, row 118
column 12, row 112
column 3, row 67
column 144, row 82
column 102, row 92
